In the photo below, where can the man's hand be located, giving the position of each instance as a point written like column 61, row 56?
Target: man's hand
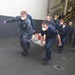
column 41, row 45
column 33, row 31
column 5, row 22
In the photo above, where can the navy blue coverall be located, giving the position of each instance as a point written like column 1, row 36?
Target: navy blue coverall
column 25, row 31
column 49, row 22
column 64, row 34
column 70, row 33
column 51, row 35
column 55, row 23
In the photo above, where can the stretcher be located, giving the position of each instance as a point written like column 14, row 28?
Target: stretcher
column 36, row 39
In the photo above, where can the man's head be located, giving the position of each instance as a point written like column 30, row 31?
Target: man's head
column 23, row 15
column 70, row 23
column 44, row 26
column 61, row 21
column 65, row 23
column 55, row 17
column 48, row 17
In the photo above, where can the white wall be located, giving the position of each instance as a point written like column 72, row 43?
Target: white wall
column 37, row 8
column 54, row 2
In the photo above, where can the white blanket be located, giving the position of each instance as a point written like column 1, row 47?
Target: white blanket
column 36, row 38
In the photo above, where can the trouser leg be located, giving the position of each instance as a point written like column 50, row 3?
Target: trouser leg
column 25, row 44
column 70, row 39
column 25, row 50
column 73, row 42
column 64, row 41
column 49, row 45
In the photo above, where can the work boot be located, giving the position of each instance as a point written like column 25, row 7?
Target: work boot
column 45, row 62
column 48, row 59
column 60, row 49
column 24, row 53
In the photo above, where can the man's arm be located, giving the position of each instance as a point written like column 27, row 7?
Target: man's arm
column 32, row 22
column 42, row 39
column 59, row 40
column 53, row 30
column 15, row 19
column 30, row 29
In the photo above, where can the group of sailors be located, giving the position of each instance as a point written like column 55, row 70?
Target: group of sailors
column 54, row 29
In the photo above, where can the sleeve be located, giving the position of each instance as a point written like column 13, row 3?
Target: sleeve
column 43, row 32
column 32, row 22
column 15, row 19
column 52, row 22
column 65, row 31
column 53, row 30
column 30, row 29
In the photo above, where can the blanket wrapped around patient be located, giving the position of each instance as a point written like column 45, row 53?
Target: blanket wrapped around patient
column 36, row 38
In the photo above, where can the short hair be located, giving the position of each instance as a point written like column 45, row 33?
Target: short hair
column 65, row 23
column 55, row 15
column 48, row 15
column 70, row 22
column 61, row 20
column 23, row 13
column 45, row 23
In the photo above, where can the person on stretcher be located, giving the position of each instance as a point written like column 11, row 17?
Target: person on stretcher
column 36, row 38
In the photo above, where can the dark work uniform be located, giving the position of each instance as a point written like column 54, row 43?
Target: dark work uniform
column 25, row 31
column 55, row 23
column 64, row 34
column 51, row 35
column 49, row 22
column 73, row 38
column 70, row 33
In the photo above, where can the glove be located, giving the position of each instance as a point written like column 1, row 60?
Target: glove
column 5, row 22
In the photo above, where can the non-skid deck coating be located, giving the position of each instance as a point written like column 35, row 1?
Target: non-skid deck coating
column 12, row 62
